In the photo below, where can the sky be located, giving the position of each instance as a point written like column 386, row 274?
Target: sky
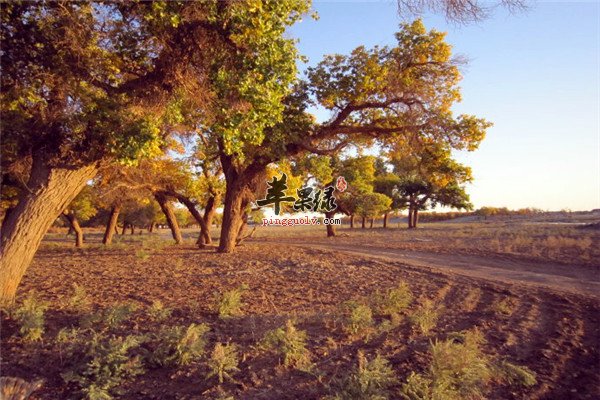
column 535, row 75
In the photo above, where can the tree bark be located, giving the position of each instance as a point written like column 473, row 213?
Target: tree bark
column 364, row 223
column 352, row 221
column 191, row 206
column 50, row 192
column 330, row 228
column 415, row 217
column 111, row 225
column 209, row 213
column 372, row 222
column 232, row 216
column 74, row 225
column 124, row 228
column 385, row 220
column 167, row 209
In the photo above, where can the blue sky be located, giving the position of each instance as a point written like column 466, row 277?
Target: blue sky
column 535, row 75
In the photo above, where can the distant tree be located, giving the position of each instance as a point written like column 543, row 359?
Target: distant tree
column 459, row 11
column 371, row 205
column 388, row 183
column 430, row 178
column 81, row 209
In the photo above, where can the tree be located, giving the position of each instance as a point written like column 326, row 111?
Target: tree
column 430, row 178
column 387, row 183
column 459, row 11
column 87, row 83
column 377, row 94
column 370, row 205
column 81, row 209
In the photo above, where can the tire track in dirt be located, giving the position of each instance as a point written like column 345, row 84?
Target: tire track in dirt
column 558, row 277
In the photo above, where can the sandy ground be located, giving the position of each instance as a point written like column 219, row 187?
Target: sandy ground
column 552, row 326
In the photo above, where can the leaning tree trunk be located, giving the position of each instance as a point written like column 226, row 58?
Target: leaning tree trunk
column 209, row 214
column 191, row 206
column 167, row 209
column 385, row 220
column 111, row 225
column 352, row 221
column 74, row 224
column 50, row 192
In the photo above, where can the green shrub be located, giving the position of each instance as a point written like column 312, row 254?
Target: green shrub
column 158, row 312
column 425, row 317
column 393, row 301
column 230, row 304
column 79, row 300
column 99, row 364
column 110, row 317
column 179, row 345
column 460, row 370
column 143, row 254
column 291, row 343
column 359, row 320
column 515, row 374
column 371, row 380
column 223, row 361
column 30, row 317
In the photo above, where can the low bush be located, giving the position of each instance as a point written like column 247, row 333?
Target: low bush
column 30, row 317
column 291, row 343
column 223, row 362
column 97, row 363
column 178, row 345
column 230, row 304
column 424, row 319
column 371, row 380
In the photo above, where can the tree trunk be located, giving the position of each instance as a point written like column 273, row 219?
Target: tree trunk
column 70, row 231
column 363, row 223
column 372, row 222
column 410, row 217
column 232, row 216
column 415, row 218
column 167, row 209
column 191, row 206
column 131, row 229
column 151, row 227
column 352, row 221
column 385, row 220
column 74, row 225
column 124, row 228
column 209, row 213
column 243, row 224
column 330, row 228
column 50, row 192
column 111, row 225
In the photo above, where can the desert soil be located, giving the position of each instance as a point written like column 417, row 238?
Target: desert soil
column 553, row 326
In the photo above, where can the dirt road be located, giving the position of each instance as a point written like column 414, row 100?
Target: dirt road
column 560, row 277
